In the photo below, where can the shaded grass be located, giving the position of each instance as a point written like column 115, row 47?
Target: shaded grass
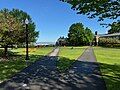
column 16, row 61
column 109, row 59
column 9, row 68
column 68, row 57
column 64, row 63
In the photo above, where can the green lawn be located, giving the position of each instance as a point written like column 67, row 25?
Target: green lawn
column 68, row 56
column 34, row 51
column 110, row 66
column 16, row 61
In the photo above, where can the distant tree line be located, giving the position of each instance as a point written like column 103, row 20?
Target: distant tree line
column 77, row 36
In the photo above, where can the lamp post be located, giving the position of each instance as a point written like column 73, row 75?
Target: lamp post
column 96, row 38
column 27, row 55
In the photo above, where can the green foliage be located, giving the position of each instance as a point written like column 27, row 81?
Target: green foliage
column 12, row 29
column 115, row 28
column 78, row 35
column 89, row 35
column 96, row 8
column 62, row 41
column 21, row 16
column 109, row 42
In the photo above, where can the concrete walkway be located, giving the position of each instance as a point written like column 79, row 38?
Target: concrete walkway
column 88, row 56
column 55, row 52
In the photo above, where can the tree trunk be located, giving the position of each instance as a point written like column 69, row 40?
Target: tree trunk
column 5, row 51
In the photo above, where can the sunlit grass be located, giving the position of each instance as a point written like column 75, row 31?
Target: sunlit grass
column 33, row 51
column 110, row 66
column 68, row 55
column 108, row 55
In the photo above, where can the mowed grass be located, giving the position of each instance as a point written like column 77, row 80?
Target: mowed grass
column 67, row 56
column 33, row 51
column 109, row 59
column 16, row 61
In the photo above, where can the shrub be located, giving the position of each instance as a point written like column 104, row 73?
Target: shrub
column 109, row 42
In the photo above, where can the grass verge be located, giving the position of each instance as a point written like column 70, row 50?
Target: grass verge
column 68, row 55
column 33, row 51
column 109, row 59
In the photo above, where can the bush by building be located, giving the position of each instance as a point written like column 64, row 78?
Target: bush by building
column 109, row 42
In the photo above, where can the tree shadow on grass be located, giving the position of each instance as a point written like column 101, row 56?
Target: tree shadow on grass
column 13, row 64
column 44, row 75
column 63, row 64
column 84, row 75
column 9, row 53
column 111, row 74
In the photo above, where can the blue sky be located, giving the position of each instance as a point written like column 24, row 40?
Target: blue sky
column 52, row 17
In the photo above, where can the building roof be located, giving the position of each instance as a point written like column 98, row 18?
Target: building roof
column 109, row 35
column 45, row 43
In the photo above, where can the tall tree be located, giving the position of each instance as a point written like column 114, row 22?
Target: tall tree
column 21, row 16
column 12, row 30
column 78, row 35
column 103, row 9
column 61, row 41
column 89, row 35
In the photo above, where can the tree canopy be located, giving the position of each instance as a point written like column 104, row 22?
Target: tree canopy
column 61, row 41
column 21, row 16
column 115, row 28
column 12, row 30
column 10, row 27
column 78, row 35
column 103, row 9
